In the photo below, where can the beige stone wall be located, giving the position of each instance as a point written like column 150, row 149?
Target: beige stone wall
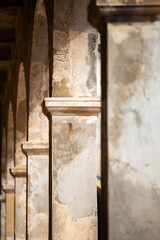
column 134, row 200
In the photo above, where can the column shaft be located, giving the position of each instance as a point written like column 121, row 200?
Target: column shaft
column 20, row 202
column 74, row 170
column 38, row 193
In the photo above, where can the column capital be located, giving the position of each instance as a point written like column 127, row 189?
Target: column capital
column 8, row 188
column 71, row 106
column 119, row 10
column 30, row 148
column 18, row 172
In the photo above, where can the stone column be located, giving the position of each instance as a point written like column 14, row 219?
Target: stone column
column 132, row 135
column 38, row 198
column 9, row 191
column 19, row 173
column 74, row 156
column 3, row 216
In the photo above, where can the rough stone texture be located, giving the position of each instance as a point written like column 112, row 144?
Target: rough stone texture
column 38, row 197
column 75, row 51
column 134, row 132
column 65, row 227
column 74, row 198
column 39, row 76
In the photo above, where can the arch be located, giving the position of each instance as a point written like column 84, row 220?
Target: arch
column 21, row 117
column 39, row 75
column 10, row 144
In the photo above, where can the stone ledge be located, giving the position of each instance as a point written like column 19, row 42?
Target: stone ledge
column 8, row 188
column 71, row 106
column 118, row 10
column 127, row 3
column 18, row 172
column 30, row 148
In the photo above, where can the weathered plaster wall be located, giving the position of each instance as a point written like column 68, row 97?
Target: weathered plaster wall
column 75, row 61
column 76, row 73
column 74, row 199
column 134, row 132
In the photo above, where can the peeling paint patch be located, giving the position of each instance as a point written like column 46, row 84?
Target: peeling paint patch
column 77, row 183
column 65, row 227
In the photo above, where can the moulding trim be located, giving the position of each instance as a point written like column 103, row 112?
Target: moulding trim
column 118, row 10
column 19, row 172
column 30, row 148
column 8, row 188
column 2, row 197
column 71, row 106
column 127, row 3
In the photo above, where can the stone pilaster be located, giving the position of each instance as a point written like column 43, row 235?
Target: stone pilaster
column 19, row 173
column 9, row 191
column 38, row 193
column 74, row 156
column 3, row 216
